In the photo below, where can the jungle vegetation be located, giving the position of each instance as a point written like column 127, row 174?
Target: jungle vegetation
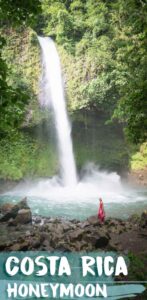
column 103, row 49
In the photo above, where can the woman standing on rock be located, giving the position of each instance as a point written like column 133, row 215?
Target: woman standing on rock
column 101, row 212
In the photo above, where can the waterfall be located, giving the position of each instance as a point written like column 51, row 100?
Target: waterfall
column 54, row 97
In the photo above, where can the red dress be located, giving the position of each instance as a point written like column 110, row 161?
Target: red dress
column 101, row 212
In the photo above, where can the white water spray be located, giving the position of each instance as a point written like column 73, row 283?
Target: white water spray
column 55, row 95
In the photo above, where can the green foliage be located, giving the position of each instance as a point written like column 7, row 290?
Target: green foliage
column 139, row 159
column 103, row 49
column 102, row 45
column 137, row 269
column 63, row 20
column 84, row 88
column 130, row 23
column 83, row 31
column 14, row 93
column 16, row 12
column 106, row 46
column 131, row 111
column 12, row 100
column 22, row 76
column 21, row 156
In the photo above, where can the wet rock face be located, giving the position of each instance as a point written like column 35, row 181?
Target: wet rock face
column 138, row 177
column 16, row 214
column 24, row 216
column 5, row 208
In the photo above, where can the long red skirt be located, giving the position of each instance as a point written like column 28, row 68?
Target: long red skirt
column 101, row 213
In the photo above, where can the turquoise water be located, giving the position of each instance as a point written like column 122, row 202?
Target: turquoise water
column 47, row 197
column 79, row 211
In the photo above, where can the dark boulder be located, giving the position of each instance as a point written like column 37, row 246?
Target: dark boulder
column 24, row 216
column 143, row 220
column 18, row 214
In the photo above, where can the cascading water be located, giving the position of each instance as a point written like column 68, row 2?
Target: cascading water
column 55, row 95
column 73, row 199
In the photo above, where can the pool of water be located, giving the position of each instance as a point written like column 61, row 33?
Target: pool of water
column 47, row 197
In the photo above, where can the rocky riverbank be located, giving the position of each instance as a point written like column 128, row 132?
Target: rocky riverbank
column 20, row 231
